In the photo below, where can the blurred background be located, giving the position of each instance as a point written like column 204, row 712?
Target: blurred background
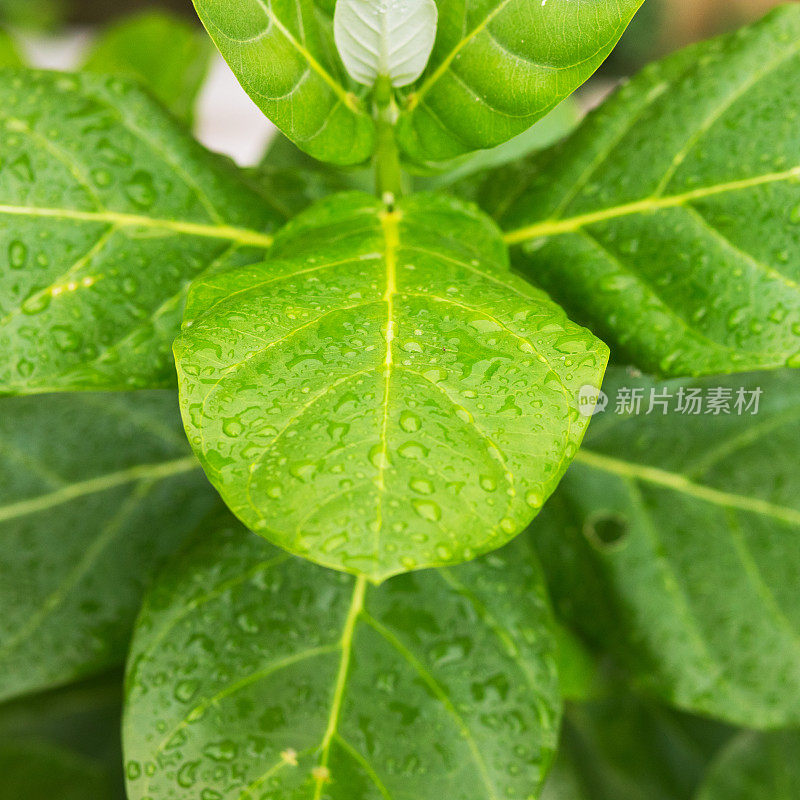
column 58, row 34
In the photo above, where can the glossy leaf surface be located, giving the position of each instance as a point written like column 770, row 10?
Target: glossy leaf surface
column 756, row 766
column 383, row 395
column 670, row 221
column 283, row 54
column 385, row 39
column 672, row 543
column 95, row 492
column 543, row 51
column 107, row 211
column 163, row 51
column 254, row 674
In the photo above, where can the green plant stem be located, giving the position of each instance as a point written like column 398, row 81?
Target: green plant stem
column 388, row 172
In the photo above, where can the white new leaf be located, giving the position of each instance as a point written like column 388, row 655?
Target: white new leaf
column 385, row 38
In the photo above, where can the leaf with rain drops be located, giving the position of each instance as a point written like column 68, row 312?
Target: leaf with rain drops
column 96, row 491
column 255, row 675
column 756, row 766
column 383, row 395
column 672, row 542
column 670, row 221
column 168, row 54
column 542, row 50
column 108, row 210
column 284, row 56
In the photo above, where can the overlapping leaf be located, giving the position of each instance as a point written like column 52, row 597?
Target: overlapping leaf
column 383, row 395
column 500, row 65
column 283, row 54
column 107, row 212
column 670, row 222
column 96, row 491
column 672, row 542
column 170, row 56
column 254, row 674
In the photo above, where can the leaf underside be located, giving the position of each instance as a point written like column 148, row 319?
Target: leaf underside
column 97, row 491
column 499, row 66
column 670, row 221
column 324, row 688
column 383, row 395
column 672, row 542
column 107, row 211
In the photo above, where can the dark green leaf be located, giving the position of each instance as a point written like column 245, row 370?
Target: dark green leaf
column 755, row 766
column 673, row 543
column 163, row 51
column 254, row 674
column 383, row 395
column 670, row 221
column 96, row 491
column 543, row 51
column 284, row 56
column 107, row 211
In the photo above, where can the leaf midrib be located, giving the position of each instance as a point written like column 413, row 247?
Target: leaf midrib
column 557, row 227
column 677, row 482
column 243, row 236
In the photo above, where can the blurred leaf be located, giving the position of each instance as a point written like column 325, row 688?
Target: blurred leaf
column 10, row 55
column 167, row 54
column 97, row 491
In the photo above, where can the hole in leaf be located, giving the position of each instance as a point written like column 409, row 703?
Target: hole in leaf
column 606, row 530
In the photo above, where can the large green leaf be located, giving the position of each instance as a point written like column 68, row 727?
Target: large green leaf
column 672, row 542
column 283, row 54
column 500, row 65
column 254, row 674
column 170, row 56
column 383, row 395
column 756, row 766
column 96, row 490
column 670, row 221
column 107, row 211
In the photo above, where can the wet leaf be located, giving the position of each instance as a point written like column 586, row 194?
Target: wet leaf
column 284, row 56
column 254, row 674
column 756, row 766
column 107, row 211
column 670, row 220
column 167, row 54
column 542, row 50
column 97, row 491
column 383, row 395
column 672, row 543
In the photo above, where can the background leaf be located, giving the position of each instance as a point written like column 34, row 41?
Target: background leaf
column 284, row 56
column 756, row 766
column 97, row 490
column 163, row 51
column 672, row 544
column 257, row 674
column 9, row 52
column 669, row 222
column 390, row 40
column 395, row 399
column 107, row 211
column 544, row 51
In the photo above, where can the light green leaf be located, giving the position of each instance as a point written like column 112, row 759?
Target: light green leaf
column 756, row 766
column 386, row 39
column 40, row 771
column 254, row 674
column 284, row 56
column 9, row 52
column 670, row 221
column 383, row 395
column 96, row 491
column 107, row 211
column 170, row 56
column 500, row 65
column 624, row 748
column 672, row 543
